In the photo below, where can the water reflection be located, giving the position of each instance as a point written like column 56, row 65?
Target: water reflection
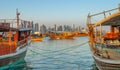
column 94, row 67
column 19, row 65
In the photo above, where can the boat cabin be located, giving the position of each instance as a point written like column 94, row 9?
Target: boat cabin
column 14, row 35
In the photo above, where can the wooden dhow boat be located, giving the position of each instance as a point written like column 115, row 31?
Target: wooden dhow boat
column 61, row 35
column 104, row 43
column 68, row 35
column 56, row 35
column 79, row 34
column 14, row 40
column 36, row 37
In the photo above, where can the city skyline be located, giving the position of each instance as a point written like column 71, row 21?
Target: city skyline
column 55, row 11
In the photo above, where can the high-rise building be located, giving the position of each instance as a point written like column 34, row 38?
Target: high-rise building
column 59, row 28
column 43, row 29
column 36, row 27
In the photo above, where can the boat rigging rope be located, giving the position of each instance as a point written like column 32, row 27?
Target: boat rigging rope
column 72, row 47
column 56, row 58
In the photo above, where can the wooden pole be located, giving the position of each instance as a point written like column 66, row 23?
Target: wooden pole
column 17, row 14
column 104, row 14
column 95, row 33
column 91, row 36
column 101, row 33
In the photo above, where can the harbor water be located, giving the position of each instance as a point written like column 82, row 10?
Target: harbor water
column 58, row 55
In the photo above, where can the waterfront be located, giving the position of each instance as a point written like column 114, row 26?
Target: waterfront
column 57, row 55
column 49, row 19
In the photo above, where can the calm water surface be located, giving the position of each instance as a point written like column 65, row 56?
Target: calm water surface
column 60, row 55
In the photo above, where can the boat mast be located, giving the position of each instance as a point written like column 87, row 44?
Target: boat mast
column 90, row 27
column 17, row 14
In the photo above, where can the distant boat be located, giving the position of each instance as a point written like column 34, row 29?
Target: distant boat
column 61, row 35
column 14, row 40
column 36, row 37
column 105, row 47
column 56, row 35
column 68, row 35
column 43, row 35
column 79, row 34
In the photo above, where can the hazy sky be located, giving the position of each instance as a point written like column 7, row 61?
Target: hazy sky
column 55, row 11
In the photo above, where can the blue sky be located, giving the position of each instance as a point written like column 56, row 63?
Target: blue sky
column 55, row 11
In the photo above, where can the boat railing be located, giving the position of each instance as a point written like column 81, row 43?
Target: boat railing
column 113, row 39
column 7, row 43
column 7, row 47
column 23, row 42
column 109, row 51
column 93, row 18
column 25, row 24
column 13, row 23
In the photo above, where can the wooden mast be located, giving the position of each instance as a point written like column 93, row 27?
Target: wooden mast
column 91, row 36
column 17, row 14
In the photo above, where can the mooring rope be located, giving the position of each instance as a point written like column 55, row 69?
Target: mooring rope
column 59, row 50
column 72, row 47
